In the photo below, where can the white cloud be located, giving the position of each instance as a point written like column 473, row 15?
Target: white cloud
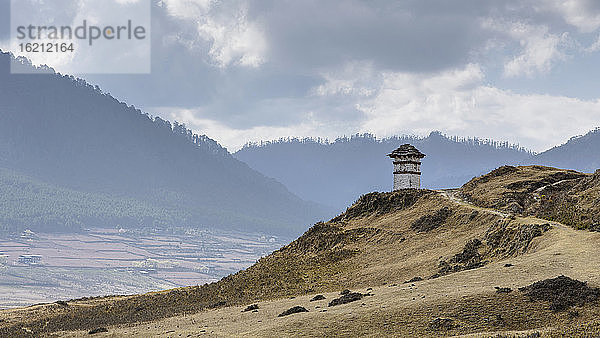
column 353, row 79
column 187, row 9
column 594, row 47
column 459, row 103
column 540, row 49
column 381, row 70
column 127, row 2
column 583, row 14
column 233, row 139
column 233, row 38
column 81, row 56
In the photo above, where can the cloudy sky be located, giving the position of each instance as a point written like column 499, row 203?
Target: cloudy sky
column 524, row 71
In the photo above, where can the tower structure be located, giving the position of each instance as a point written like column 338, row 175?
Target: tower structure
column 407, row 167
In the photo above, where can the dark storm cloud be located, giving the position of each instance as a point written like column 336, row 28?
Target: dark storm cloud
column 408, row 36
column 308, row 39
column 305, row 38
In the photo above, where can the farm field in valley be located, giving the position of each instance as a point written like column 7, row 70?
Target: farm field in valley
column 100, row 262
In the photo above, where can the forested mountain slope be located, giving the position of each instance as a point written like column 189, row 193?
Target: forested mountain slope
column 580, row 153
column 64, row 132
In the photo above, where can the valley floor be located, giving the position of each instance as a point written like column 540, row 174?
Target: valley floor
column 100, row 262
column 467, row 298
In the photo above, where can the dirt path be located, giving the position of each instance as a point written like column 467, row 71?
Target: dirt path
column 537, row 191
column 454, row 195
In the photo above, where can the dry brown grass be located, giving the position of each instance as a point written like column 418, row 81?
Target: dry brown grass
column 564, row 196
column 373, row 245
column 370, row 245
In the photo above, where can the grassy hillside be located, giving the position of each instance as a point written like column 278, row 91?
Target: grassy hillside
column 565, row 196
column 383, row 238
column 421, row 262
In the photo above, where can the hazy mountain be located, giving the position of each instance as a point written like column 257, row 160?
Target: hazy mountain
column 580, row 153
column 62, row 132
column 336, row 173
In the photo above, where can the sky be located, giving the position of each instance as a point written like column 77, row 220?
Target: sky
column 522, row 71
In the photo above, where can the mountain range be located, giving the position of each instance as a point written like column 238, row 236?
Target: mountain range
column 336, row 173
column 73, row 156
column 580, row 153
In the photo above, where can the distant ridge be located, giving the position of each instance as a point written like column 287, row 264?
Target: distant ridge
column 61, row 131
column 335, row 172
column 581, row 153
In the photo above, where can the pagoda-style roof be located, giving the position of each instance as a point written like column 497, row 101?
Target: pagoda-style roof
column 406, row 150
